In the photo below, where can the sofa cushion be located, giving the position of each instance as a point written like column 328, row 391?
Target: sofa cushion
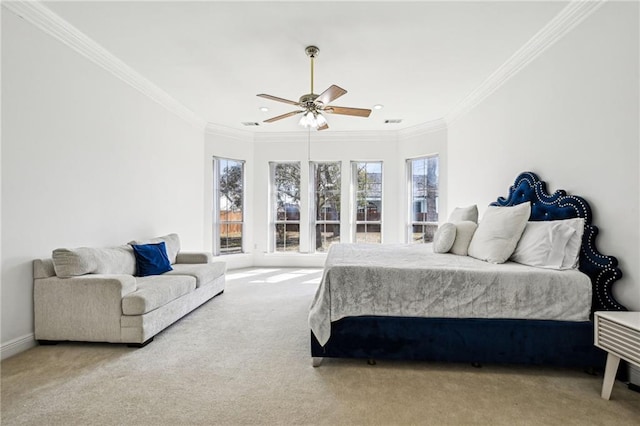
column 88, row 260
column 151, row 259
column 155, row 291
column 172, row 242
column 204, row 273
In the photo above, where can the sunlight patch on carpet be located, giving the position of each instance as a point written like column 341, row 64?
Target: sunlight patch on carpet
column 247, row 274
column 291, row 275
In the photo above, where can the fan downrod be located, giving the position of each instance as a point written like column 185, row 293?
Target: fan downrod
column 312, row 51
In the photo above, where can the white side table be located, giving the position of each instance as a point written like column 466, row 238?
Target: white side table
column 618, row 333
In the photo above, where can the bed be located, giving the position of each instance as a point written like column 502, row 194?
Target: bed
column 356, row 313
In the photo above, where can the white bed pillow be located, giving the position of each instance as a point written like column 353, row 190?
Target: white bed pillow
column 572, row 251
column 460, row 214
column 543, row 244
column 464, row 234
column 444, row 237
column 498, row 232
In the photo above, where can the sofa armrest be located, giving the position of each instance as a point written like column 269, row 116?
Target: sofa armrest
column 83, row 308
column 194, row 257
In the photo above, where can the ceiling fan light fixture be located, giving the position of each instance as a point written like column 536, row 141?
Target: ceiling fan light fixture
column 320, row 120
column 313, row 119
column 307, row 120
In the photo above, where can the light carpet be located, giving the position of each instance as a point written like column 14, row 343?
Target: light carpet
column 243, row 358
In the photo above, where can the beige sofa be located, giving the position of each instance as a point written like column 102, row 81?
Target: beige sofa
column 93, row 295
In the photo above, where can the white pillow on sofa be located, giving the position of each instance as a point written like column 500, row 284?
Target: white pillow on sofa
column 460, row 214
column 444, row 237
column 543, row 244
column 172, row 242
column 498, row 232
column 93, row 260
column 464, row 234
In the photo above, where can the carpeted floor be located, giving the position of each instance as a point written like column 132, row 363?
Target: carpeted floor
column 243, row 358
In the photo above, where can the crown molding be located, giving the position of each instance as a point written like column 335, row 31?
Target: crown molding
column 424, row 128
column 298, row 136
column 43, row 18
column 241, row 135
column 572, row 14
column 327, row 137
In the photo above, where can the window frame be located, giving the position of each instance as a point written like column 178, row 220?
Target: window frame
column 410, row 200
column 354, row 200
column 273, row 209
column 217, row 221
column 313, row 221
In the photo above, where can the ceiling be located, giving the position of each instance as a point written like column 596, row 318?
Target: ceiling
column 419, row 59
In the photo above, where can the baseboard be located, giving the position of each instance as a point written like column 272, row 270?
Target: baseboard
column 17, row 345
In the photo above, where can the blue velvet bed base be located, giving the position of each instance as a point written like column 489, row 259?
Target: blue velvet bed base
column 487, row 341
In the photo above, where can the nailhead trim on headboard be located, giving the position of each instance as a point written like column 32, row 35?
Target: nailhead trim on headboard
column 603, row 270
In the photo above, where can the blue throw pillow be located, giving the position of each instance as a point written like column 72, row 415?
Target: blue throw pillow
column 151, row 259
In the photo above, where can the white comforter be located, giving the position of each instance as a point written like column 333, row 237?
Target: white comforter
column 412, row 281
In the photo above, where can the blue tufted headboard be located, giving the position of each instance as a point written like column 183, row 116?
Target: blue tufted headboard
column 603, row 270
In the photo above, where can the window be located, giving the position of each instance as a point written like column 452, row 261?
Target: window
column 423, row 198
column 285, row 183
column 367, row 181
column 326, row 204
column 228, row 222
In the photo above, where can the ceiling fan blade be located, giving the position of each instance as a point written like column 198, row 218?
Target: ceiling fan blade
column 280, row 117
column 323, row 127
column 275, row 98
column 359, row 112
column 333, row 92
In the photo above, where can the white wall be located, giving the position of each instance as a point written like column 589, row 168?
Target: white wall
column 571, row 116
column 86, row 161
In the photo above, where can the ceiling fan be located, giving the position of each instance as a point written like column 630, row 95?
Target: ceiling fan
column 314, row 105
